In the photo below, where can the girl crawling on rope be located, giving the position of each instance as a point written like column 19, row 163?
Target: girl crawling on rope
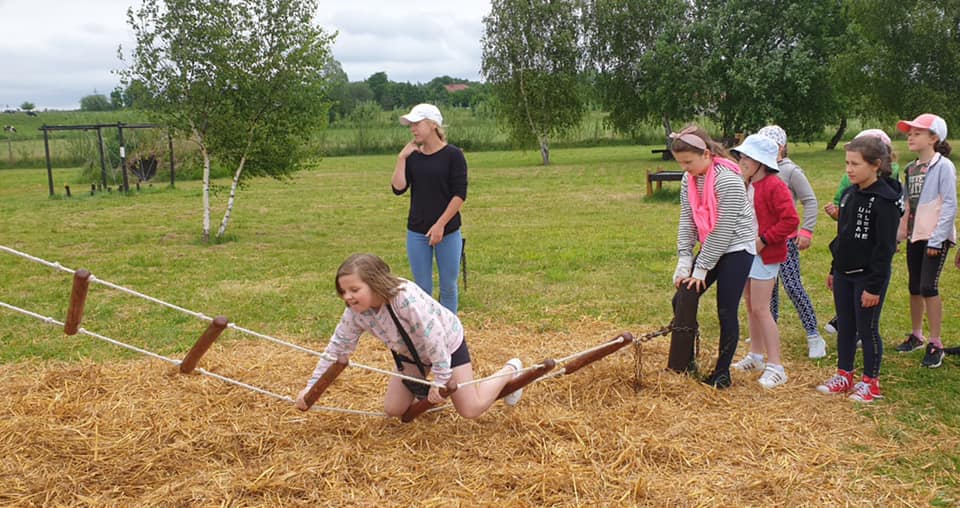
column 419, row 332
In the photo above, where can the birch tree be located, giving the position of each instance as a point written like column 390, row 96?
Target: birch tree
column 531, row 59
column 242, row 79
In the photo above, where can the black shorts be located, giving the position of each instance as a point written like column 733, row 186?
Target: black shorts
column 419, row 390
column 924, row 271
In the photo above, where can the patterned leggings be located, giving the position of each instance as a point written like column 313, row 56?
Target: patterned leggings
column 790, row 276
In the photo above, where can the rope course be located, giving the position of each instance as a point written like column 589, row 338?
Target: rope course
column 534, row 373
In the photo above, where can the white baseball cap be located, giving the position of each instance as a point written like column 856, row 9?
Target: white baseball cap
column 422, row 112
column 931, row 122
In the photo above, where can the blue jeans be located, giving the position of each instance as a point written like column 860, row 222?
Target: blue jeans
column 448, row 252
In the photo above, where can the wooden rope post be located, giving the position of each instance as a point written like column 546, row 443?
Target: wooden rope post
column 78, row 296
column 419, row 407
column 582, row 361
column 203, row 344
column 527, row 377
column 321, row 385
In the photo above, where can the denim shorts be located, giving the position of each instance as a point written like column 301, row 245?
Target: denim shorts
column 760, row 271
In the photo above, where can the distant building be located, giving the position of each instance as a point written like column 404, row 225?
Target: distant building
column 456, row 87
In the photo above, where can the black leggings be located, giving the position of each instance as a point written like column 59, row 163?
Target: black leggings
column 924, row 271
column 855, row 322
column 730, row 274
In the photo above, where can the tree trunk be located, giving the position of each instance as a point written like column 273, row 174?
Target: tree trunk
column 667, row 130
column 545, row 150
column 230, row 201
column 839, row 135
column 205, row 233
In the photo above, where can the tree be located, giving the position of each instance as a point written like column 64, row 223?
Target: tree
column 95, row 102
column 531, row 58
column 378, row 83
column 909, row 58
column 27, row 106
column 739, row 62
column 243, row 79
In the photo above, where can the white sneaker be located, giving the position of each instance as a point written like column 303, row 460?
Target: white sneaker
column 514, row 397
column 748, row 364
column 772, row 377
column 817, row 347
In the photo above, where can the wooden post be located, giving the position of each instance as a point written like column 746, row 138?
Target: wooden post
column 649, row 185
column 203, row 344
column 123, row 157
column 78, row 296
column 527, row 377
column 321, row 385
column 419, row 407
column 46, row 151
column 582, row 361
column 103, row 161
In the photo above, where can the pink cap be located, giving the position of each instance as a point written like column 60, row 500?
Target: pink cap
column 928, row 121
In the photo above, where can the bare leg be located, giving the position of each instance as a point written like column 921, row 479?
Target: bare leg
column 398, row 398
column 756, row 339
column 762, row 320
column 471, row 401
column 916, row 313
column 934, row 307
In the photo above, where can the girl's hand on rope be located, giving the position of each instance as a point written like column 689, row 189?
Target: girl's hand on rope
column 434, row 395
column 300, row 403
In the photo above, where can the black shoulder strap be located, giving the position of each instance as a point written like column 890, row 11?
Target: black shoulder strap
column 406, row 341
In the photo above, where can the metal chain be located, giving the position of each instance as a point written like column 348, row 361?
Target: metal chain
column 647, row 337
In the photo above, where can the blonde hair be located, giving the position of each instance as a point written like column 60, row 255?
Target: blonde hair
column 442, row 134
column 373, row 271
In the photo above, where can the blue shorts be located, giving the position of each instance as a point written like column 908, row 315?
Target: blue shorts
column 459, row 357
column 760, row 271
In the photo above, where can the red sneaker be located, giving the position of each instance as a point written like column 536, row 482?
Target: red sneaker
column 867, row 390
column 841, row 382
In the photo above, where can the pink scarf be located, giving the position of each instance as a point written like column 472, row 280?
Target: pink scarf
column 705, row 212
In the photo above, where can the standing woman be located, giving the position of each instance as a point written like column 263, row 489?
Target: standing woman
column 436, row 174
column 714, row 211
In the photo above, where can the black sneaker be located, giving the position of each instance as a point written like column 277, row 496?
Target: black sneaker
column 933, row 358
column 718, row 380
column 912, row 343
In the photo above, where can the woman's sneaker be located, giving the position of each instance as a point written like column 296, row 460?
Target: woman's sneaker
column 773, row 377
column 748, row 364
column 933, row 357
column 514, row 397
column 719, row 379
column 841, row 382
column 831, row 326
column 816, row 347
column 867, row 390
column 912, row 343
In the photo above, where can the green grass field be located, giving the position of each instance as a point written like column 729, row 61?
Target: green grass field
column 547, row 247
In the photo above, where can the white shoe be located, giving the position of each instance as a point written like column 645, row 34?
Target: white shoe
column 817, row 347
column 772, row 377
column 514, row 397
column 748, row 364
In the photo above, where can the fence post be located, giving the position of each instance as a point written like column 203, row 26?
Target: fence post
column 78, row 296
column 203, row 344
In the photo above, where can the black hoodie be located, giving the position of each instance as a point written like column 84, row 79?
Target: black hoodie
column 867, row 232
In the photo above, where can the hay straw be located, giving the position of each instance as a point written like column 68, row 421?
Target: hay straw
column 138, row 433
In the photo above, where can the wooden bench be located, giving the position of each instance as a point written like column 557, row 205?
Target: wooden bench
column 661, row 176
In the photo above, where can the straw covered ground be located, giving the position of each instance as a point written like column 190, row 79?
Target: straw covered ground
column 137, row 432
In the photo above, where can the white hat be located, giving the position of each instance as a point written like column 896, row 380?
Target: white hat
column 931, row 122
column 876, row 133
column 776, row 133
column 761, row 149
column 422, row 112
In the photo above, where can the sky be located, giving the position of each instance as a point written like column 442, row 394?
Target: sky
column 53, row 52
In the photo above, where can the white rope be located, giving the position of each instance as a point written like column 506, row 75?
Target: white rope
column 499, row 375
column 54, row 265
column 394, row 374
column 205, row 372
column 150, row 298
column 274, row 340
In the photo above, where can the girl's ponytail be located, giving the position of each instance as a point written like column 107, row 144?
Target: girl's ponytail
column 943, row 148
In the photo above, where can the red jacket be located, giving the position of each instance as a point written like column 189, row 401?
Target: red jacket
column 776, row 217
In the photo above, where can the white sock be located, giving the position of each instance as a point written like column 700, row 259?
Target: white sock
column 778, row 368
column 757, row 357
